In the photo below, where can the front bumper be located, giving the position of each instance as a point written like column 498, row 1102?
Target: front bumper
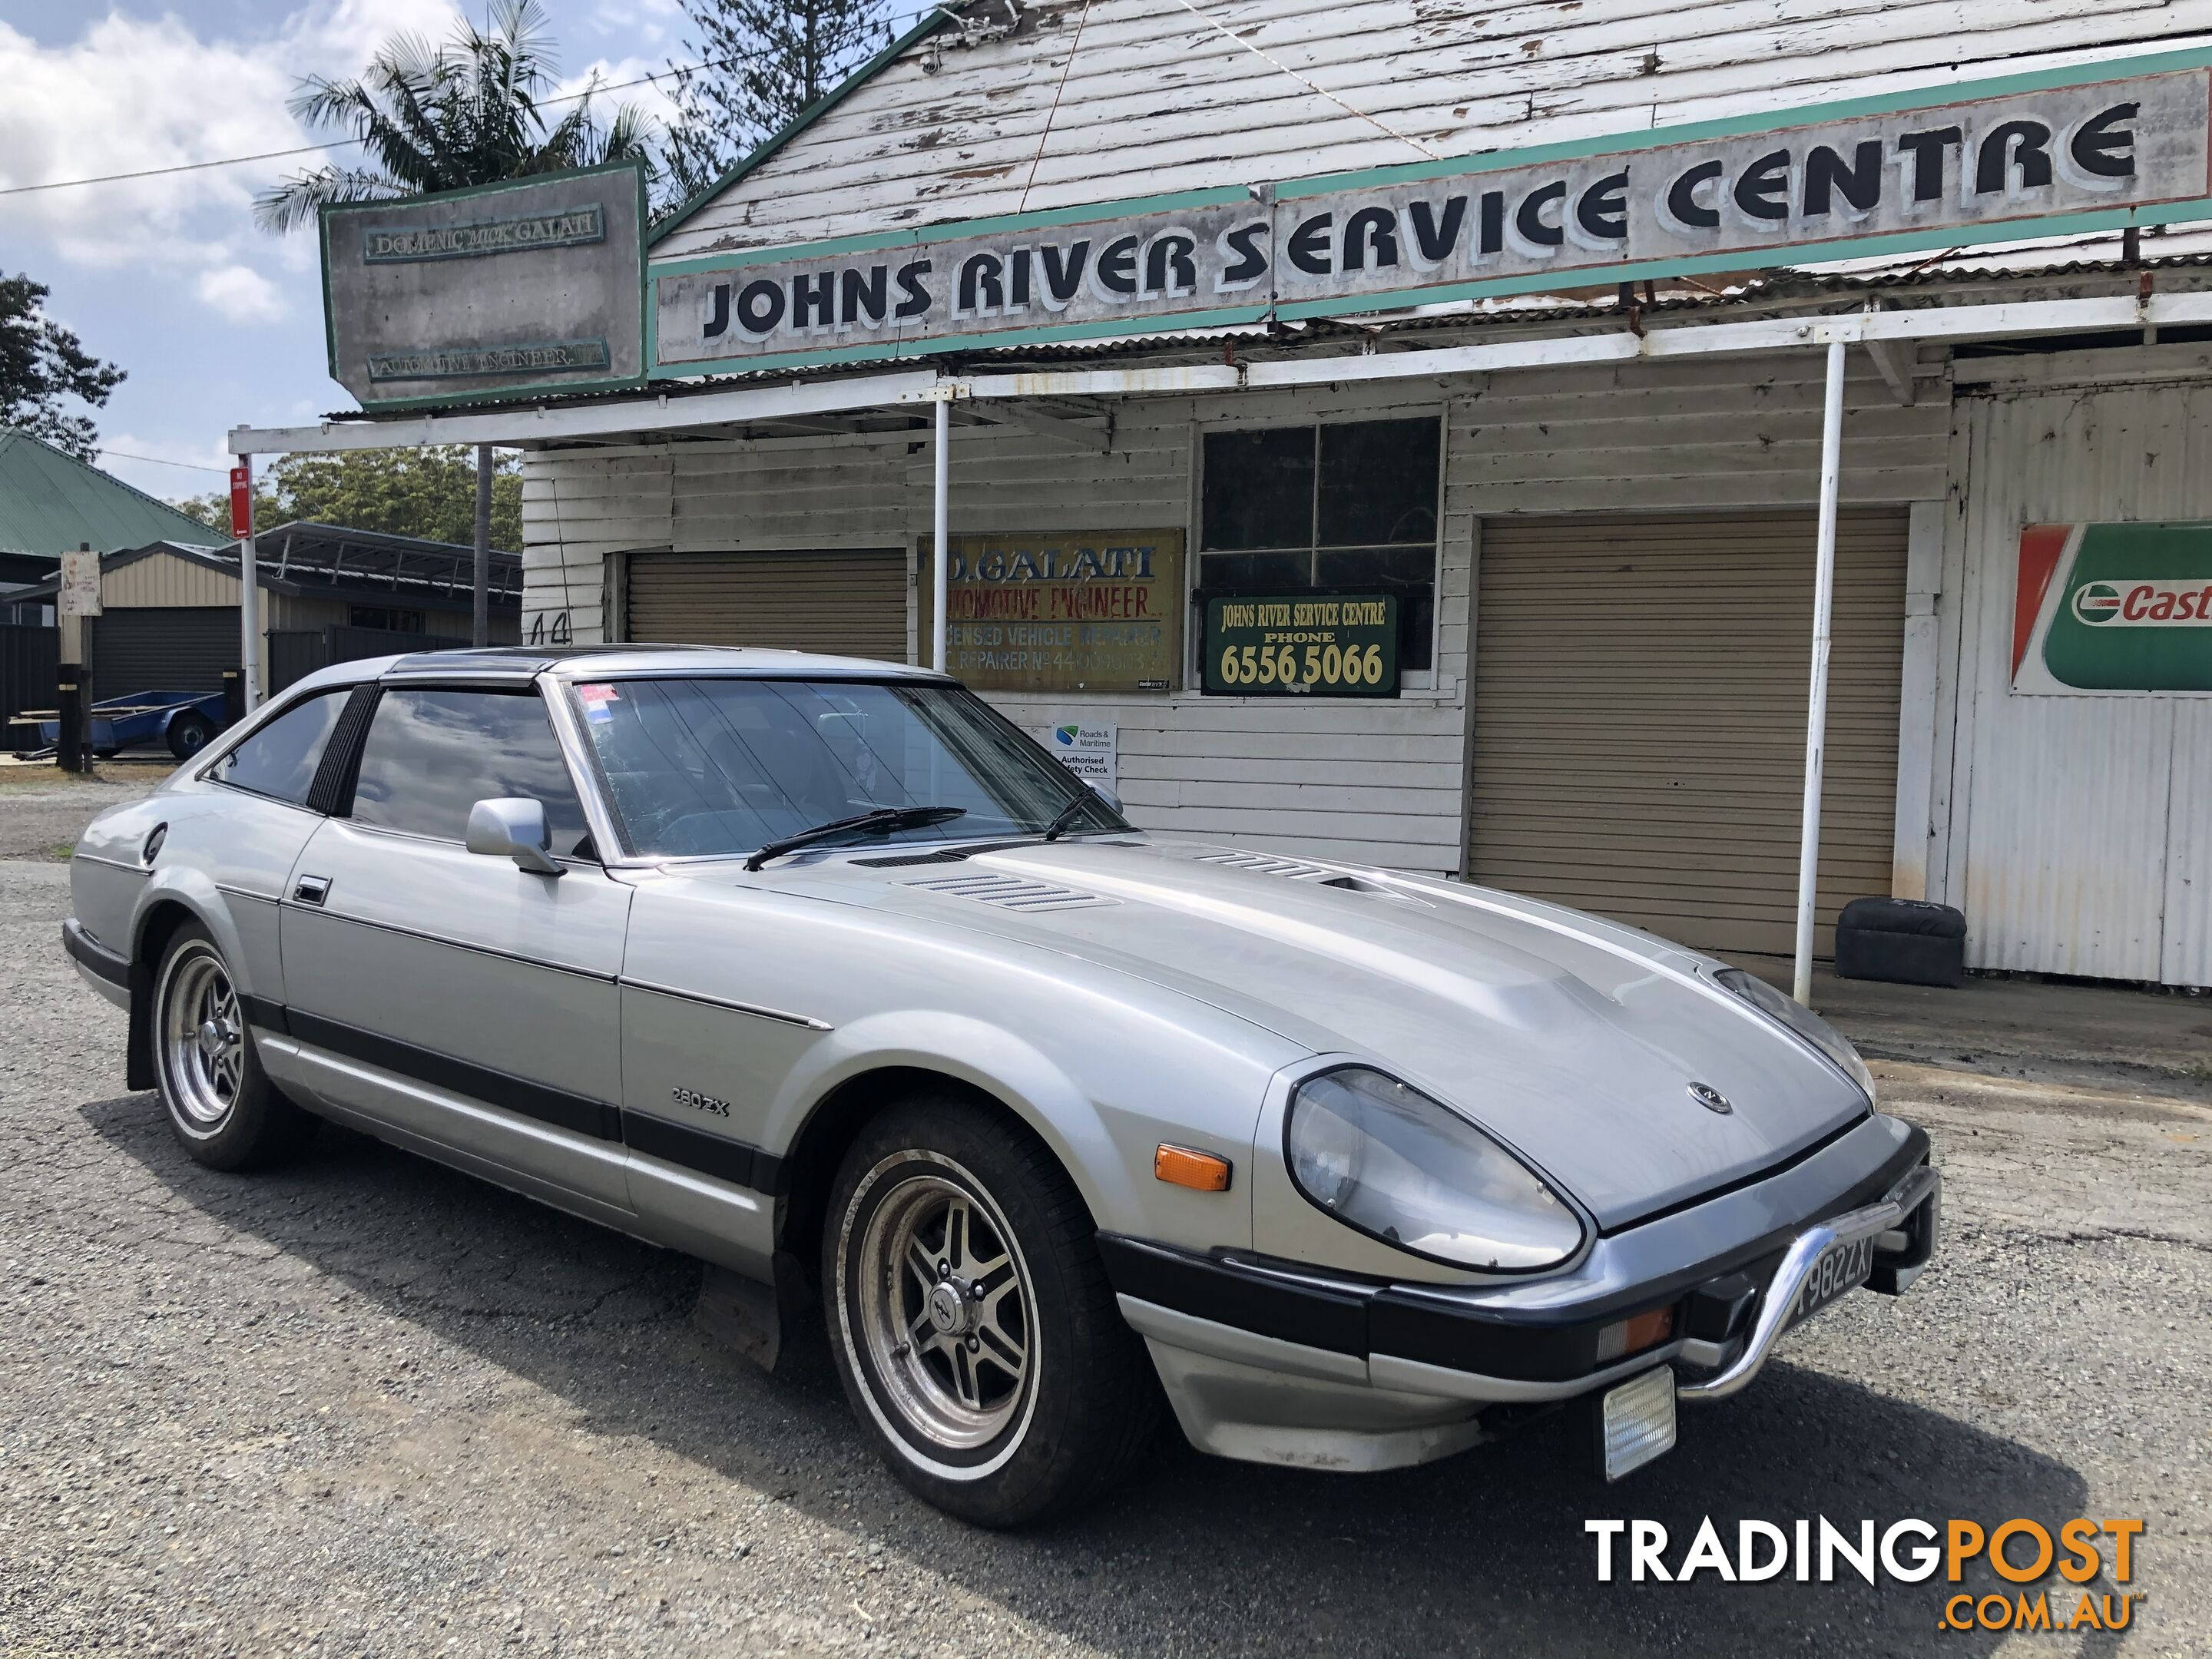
column 1284, row 1363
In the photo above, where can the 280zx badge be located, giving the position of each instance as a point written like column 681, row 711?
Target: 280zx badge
column 703, row 1103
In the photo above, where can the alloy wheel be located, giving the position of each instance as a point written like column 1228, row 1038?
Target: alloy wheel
column 945, row 1308
column 202, row 1038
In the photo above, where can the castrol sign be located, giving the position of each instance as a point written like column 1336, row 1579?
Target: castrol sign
column 2112, row 609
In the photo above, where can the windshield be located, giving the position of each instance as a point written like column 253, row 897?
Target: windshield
column 713, row 767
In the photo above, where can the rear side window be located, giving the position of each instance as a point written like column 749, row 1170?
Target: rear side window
column 431, row 755
column 279, row 760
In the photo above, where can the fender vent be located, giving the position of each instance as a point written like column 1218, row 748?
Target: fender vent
column 1013, row 892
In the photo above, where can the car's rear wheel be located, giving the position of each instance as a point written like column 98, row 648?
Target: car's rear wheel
column 222, row 1106
column 971, row 1321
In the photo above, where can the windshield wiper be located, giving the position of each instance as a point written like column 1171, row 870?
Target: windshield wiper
column 1068, row 814
column 881, row 821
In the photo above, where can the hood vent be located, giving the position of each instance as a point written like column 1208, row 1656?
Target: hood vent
column 1013, row 892
column 1262, row 864
column 947, row 855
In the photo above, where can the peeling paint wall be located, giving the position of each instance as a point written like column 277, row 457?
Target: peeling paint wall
column 1157, row 98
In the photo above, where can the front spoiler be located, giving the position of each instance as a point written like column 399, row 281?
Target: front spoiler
column 1285, row 1362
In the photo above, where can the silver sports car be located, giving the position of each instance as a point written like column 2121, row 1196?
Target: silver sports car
column 821, row 971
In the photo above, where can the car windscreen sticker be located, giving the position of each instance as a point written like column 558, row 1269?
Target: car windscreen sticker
column 599, row 701
column 2113, row 608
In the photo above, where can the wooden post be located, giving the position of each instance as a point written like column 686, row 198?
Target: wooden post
column 75, row 606
column 68, row 710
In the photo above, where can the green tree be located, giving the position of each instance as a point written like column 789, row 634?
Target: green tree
column 430, row 492
column 472, row 110
column 758, row 64
column 42, row 363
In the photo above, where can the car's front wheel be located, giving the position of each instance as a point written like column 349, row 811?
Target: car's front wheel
column 221, row 1103
column 971, row 1321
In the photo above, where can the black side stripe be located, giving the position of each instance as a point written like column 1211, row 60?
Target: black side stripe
column 693, row 1149
column 579, row 1114
column 269, row 1016
column 732, row 1160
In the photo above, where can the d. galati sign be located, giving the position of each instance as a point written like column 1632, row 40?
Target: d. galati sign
column 1976, row 170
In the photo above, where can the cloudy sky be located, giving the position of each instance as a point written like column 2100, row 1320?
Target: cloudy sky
column 216, row 323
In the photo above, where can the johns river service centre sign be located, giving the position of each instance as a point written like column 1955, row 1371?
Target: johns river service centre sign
column 546, row 286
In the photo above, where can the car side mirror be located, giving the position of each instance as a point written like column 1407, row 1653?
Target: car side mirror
column 513, row 829
column 1107, row 795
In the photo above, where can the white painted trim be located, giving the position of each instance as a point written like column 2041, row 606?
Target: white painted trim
column 1097, row 441
column 940, row 568
column 1917, row 715
column 1894, row 363
column 667, row 412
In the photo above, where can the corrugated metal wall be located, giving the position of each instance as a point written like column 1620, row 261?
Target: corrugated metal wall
column 2076, row 836
column 1158, row 99
column 1380, row 783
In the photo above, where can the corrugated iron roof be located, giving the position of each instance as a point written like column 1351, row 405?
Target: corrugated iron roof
column 51, row 503
column 331, row 562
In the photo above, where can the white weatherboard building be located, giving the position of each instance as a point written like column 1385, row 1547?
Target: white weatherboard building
column 1487, row 351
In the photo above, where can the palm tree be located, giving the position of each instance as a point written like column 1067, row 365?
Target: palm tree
column 469, row 112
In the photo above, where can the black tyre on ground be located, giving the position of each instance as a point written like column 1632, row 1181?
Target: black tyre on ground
column 971, row 1321
column 222, row 1106
column 189, row 734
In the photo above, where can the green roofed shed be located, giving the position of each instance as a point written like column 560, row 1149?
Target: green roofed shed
column 51, row 503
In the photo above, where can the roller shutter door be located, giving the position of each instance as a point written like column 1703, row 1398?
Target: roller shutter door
column 1639, row 719
column 184, row 649
column 848, row 605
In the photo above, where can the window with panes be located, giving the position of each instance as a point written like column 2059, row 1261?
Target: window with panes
column 1347, row 507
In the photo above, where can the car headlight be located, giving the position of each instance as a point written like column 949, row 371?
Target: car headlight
column 1382, row 1157
column 1807, row 1026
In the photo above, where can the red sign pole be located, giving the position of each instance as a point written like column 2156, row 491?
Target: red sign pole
column 241, row 499
column 249, row 594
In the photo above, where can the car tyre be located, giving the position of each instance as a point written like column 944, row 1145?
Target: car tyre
column 221, row 1103
column 188, row 734
column 971, row 1321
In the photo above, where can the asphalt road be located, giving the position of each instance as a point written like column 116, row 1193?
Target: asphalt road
column 368, row 1405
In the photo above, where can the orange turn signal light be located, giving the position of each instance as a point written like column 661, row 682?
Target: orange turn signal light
column 1201, row 1172
column 1634, row 1335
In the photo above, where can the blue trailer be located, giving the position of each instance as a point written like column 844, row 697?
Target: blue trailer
column 184, row 721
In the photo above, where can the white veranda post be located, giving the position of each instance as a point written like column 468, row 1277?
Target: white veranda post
column 941, row 554
column 249, row 603
column 1816, row 714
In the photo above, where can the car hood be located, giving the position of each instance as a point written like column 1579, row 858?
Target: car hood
column 1573, row 1040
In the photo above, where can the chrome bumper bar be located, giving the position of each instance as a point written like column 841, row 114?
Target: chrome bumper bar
column 1922, row 1185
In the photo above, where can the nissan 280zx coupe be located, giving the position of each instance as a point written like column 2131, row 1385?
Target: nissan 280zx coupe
column 821, row 971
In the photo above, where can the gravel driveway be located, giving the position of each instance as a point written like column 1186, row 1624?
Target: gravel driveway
column 370, row 1406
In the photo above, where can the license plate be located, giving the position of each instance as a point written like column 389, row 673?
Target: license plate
column 1842, row 1267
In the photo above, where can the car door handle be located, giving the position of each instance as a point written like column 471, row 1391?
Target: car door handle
column 312, row 889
